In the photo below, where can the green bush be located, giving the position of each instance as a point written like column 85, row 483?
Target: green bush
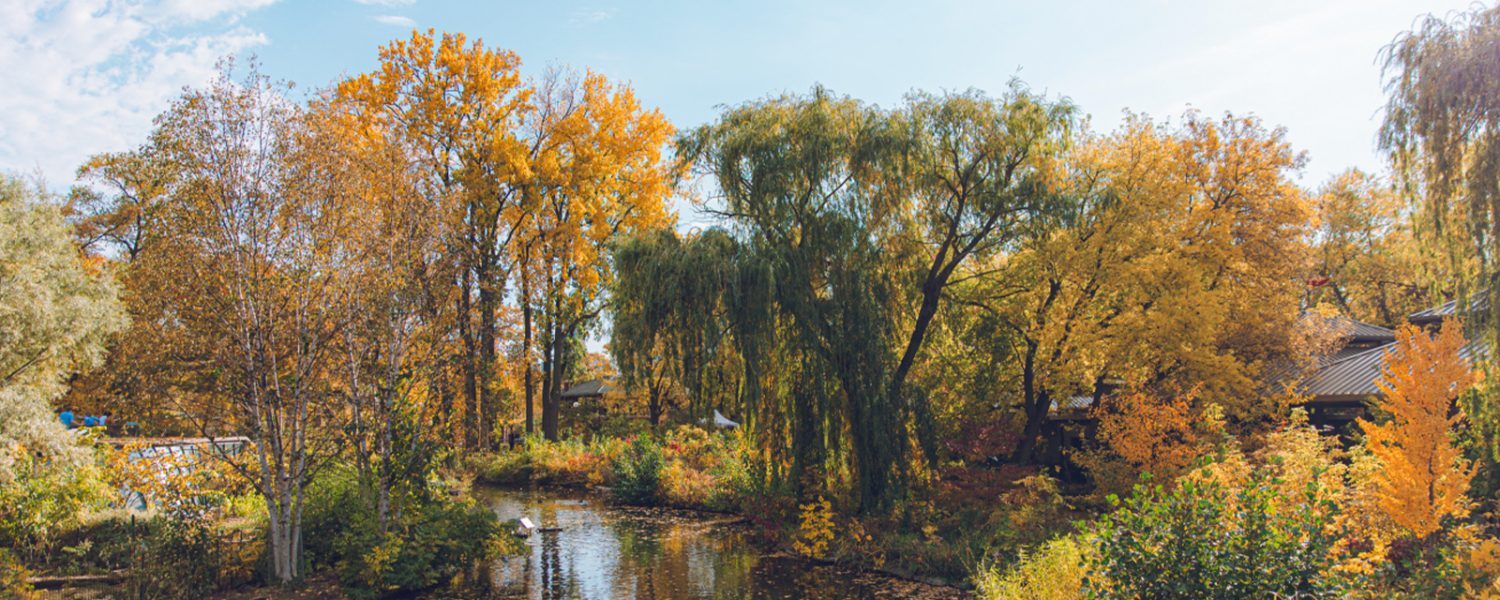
column 330, row 506
column 638, row 473
column 504, row 467
column 102, row 542
column 428, row 546
column 13, row 576
column 42, row 502
column 1203, row 542
column 189, row 558
column 1438, row 567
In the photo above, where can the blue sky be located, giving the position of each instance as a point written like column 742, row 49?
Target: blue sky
column 86, row 76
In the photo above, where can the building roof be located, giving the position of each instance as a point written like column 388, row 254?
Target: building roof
column 1353, row 377
column 588, row 389
column 1353, row 331
column 1446, row 309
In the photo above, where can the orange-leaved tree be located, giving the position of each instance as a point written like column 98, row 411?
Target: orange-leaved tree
column 1424, row 476
column 1142, row 431
column 456, row 107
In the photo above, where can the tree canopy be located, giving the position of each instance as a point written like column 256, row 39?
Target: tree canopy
column 58, row 309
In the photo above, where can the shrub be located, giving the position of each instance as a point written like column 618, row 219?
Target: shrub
column 1055, row 572
column 638, row 473
column 504, row 467
column 1145, row 432
column 686, row 486
column 430, row 544
column 103, row 541
column 189, row 558
column 1449, row 565
column 815, row 530
column 13, row 575
column 1203, row 541
column 331, row 505
column 427, row 543
column 43, row 501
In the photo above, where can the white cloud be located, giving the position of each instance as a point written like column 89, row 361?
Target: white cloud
column 395, row 20
column 592, row 15
column 386, row 2
column 87, row 76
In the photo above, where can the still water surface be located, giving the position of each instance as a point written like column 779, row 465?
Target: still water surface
column 605, row 552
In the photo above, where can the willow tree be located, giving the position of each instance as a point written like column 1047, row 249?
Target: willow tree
column 977, row 180
column 795, row 173
column 56, row 313
column 854, row 220
column 1442, row 131
column 681, row 317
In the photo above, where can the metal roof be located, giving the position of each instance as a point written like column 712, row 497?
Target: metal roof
column 1446, row 309
column 593, row 387
column 1354, row 375
column 1355, row 331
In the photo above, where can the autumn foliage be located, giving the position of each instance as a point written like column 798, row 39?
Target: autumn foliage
column 1425, row 476
column 1142, row 431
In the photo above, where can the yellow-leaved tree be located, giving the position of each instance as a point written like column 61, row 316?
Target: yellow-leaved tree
column 1424, row 476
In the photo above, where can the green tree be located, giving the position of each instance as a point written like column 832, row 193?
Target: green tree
column 57, row 311
column 796, row 175
column 981, row 174
column 58, row 308
column 1442, row 132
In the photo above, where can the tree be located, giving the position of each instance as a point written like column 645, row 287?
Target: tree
column 981, row 174
column 146, row 377
column 458, row 107
column 796, row 175
column 1442, row 132
column 139, row 181
column 396, row 330
column 1179, row 267
column 1442, row 128
column 856, row 221
column 670, row 301
column 548, row 172
column 1425, row 476
column 598, row 173
column 251, row 264
column 57, row 310
column 1367, row 261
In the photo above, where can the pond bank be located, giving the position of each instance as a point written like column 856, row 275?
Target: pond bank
column 606, row 551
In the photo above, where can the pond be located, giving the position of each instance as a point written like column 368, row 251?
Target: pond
column 601, row 551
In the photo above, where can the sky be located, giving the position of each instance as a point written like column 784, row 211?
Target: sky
column 82, row 77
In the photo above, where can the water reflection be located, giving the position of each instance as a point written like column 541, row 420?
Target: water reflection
column 604, row 552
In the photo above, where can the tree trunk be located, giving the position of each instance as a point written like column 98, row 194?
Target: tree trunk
column 488, row 292
column 466, row 334
column 526, row 352
column 653, row 401
column 932, row 292
column 1035, row 405
column 552, row 395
